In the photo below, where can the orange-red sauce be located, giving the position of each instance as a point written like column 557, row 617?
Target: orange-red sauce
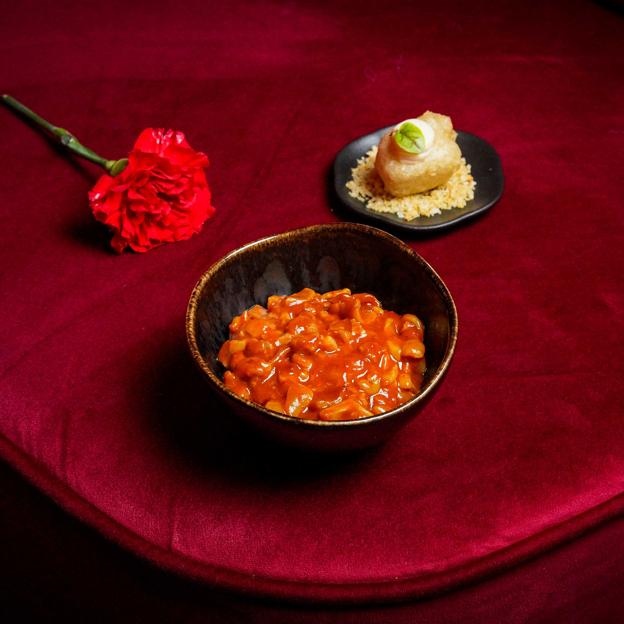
column 332, row 356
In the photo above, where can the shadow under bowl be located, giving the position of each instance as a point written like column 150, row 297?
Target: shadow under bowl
column 322, row 257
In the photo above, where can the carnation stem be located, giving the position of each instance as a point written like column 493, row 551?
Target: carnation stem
column 65, row 138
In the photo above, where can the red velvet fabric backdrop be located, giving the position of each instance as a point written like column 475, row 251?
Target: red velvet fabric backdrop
column 522, row 447
column 60, row 570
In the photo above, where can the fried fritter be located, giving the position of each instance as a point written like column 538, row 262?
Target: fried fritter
column 404, row 173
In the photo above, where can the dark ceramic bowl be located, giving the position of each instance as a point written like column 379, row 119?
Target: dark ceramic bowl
column 322, row 257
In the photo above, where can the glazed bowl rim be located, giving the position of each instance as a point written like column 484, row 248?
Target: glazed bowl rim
column 218, row 385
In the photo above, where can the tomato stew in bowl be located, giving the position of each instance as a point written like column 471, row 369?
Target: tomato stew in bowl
column 324, row 258
column 331, row 356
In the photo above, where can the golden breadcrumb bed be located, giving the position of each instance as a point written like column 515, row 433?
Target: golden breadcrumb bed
column 368, row 187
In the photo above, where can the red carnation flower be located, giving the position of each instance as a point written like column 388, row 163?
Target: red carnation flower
column 162, row 195
column 157, row 195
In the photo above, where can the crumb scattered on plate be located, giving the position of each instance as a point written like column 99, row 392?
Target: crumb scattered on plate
column 367, row 186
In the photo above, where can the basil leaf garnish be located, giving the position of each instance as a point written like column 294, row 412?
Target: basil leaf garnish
column 410, row 138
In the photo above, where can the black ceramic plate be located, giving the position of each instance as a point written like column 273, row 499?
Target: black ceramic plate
column 479, row 154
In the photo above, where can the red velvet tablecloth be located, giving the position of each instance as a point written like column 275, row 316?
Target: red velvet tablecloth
column 100, row 407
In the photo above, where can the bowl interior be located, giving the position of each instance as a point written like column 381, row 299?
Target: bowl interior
column 324, row 258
